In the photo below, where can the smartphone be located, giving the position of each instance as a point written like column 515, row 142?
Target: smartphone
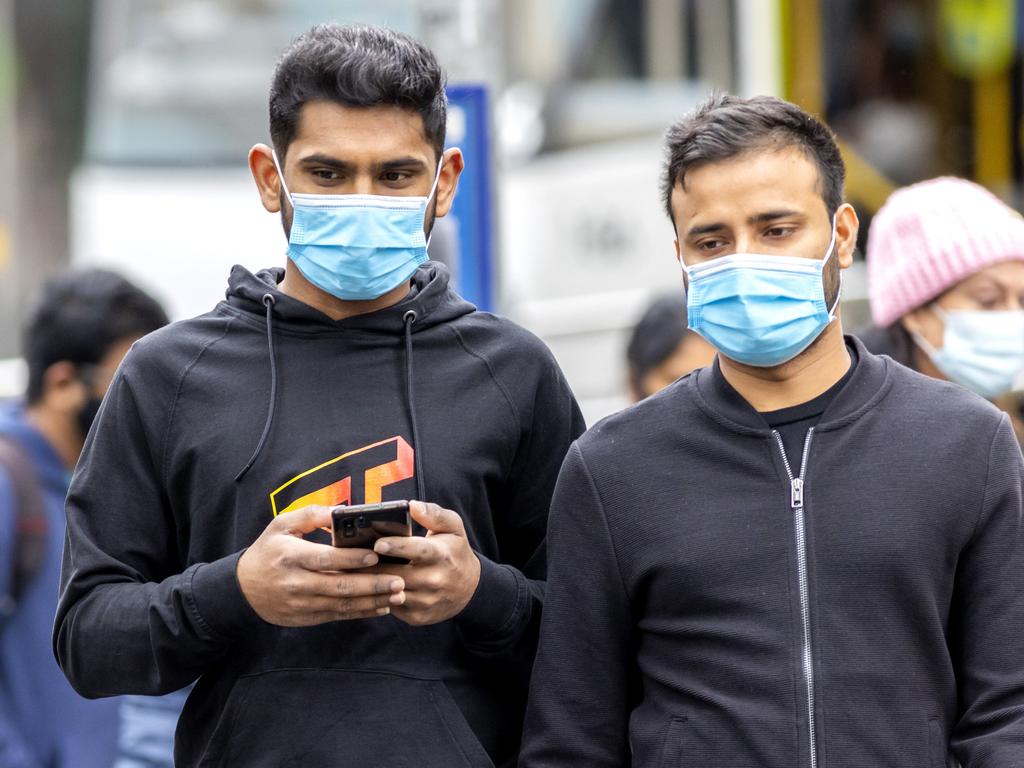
column 361, row 525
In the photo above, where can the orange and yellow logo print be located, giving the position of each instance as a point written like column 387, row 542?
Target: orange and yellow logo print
column 356, row 477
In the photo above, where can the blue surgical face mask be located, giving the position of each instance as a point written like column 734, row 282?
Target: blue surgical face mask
column 759, row 309
column 357, row 247
column 983, row 351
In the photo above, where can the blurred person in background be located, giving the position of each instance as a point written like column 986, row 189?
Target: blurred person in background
column 946, row 285
column 355, row 374
column 803, row 554
column 75, row 338
column 662, row 348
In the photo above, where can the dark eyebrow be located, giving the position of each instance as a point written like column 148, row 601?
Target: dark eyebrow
column 761, row 218
column 328, row 161
column 704, row 229
column 405, row 163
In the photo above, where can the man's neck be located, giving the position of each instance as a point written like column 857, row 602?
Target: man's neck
column 298, row 287
column 60, row 431
column 798, row 381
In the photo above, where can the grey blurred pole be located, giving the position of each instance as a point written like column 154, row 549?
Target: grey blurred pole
column 666, row 39
column 43, row 106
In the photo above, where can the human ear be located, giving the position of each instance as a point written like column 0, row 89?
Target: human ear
column 63, row 390
column 264, row 173
column 847, row 226
column 448, row 182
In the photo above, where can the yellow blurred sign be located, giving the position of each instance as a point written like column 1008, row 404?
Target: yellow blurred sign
column 977, row 38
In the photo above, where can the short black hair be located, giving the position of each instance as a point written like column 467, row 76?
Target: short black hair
column 357, row 66
column 79, row 316
column 725, row 126
column 656, row 336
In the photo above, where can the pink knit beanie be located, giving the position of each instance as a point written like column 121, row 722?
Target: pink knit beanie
column 930, row 236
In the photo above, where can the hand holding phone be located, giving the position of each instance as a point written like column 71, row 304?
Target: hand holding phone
column 443, row 571
column 293, row 582
column 361, row 525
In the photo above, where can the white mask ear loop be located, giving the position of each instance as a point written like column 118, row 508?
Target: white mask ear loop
column 433, row 189
column 824, row 262
column 831, row 244
column 921, row 341
column 437, row 178
column 280, row 175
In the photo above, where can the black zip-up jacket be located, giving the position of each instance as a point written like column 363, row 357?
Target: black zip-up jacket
column 317, row 412
column 704, row 610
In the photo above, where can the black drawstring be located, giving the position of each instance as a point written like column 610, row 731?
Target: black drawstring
column 409, row 318
column 268, row 302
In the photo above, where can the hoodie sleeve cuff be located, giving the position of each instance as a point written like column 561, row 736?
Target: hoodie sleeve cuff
column 496, row 604
column 217, row 598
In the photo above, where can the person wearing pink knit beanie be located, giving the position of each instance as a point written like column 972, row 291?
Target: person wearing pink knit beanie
column 945, row 263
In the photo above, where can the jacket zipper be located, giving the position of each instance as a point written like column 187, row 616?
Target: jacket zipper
column 796, row 502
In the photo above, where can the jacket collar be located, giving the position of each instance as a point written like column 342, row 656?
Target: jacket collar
column 869, row 384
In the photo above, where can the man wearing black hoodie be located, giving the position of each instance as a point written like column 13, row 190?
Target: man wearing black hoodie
column 224, row 440
column 802, row 555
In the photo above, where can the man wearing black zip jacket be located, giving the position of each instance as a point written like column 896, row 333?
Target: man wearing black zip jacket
column 355, row 374
column 804, row 555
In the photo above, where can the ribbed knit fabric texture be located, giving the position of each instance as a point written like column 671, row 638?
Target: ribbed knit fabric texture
column 930, row 236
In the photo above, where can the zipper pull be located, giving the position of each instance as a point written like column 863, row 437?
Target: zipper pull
column 797, row 495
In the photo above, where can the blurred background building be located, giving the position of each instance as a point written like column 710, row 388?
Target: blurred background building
column 125, row 125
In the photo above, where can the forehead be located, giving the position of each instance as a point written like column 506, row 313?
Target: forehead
column 752, row 182
column 1004, row 274
column 349, row 132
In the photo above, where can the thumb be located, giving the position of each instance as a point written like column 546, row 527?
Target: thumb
column 304, row 520
column 436, row 519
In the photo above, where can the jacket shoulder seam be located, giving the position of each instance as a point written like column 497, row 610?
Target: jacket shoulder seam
column 988, row 475
column 177, row 397
column 490, row 370
column 603, row 517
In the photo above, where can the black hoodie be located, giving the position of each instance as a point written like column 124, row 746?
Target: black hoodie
column 318, row 411
column 681, row 558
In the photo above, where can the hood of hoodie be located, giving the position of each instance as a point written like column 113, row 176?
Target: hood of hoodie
column 430, row 297
column 429, row 302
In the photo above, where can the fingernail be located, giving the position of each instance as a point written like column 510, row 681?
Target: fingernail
column 397, row 585
column 370, row 559
column 383, row 611
column 382, row 546
column 397, row 599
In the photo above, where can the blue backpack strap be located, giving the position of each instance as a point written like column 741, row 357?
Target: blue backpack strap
column 31, row 525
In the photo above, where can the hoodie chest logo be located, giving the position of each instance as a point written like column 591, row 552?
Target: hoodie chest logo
column 355, row 477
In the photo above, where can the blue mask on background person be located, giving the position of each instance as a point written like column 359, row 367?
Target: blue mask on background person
column 357, row 247
column 759, row 309
column 983, row 351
